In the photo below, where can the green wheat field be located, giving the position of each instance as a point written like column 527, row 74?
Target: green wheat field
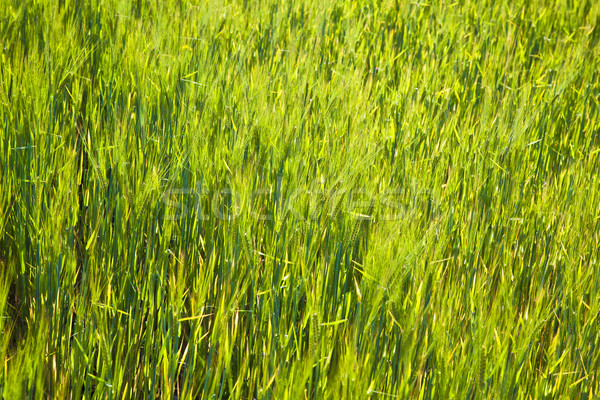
column 299, row 199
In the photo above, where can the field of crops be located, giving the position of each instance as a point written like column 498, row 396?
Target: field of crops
column 299, row 200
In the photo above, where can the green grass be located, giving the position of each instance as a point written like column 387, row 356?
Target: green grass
column 299, row 200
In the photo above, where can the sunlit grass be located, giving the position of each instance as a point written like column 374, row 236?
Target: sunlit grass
column 290, row 200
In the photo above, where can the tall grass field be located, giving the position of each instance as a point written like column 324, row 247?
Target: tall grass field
column 248, row 199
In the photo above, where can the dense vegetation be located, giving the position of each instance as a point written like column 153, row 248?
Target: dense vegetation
column 294, row 200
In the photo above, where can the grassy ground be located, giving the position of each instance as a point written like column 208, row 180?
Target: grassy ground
column 299, row 200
